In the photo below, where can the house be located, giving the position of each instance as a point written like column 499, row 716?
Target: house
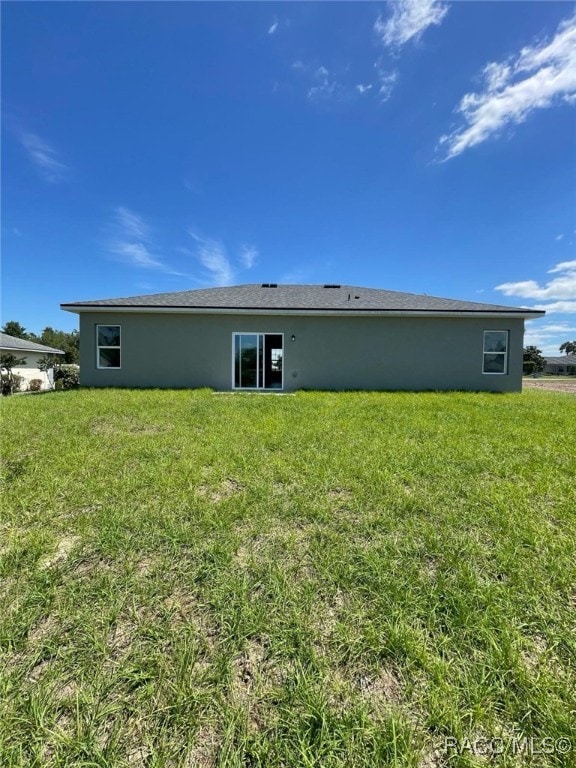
column 289, row 337
column 560, row 365
column 32, row 353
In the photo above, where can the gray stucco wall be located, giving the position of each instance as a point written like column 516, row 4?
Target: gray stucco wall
column 379, row 353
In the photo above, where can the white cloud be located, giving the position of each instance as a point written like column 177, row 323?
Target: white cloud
column 387, row 80
column 44, row 157
column 136, row 254
column 564, row 266
column 409, row 20
column 212, row 256
column 539, row 76
column 557, row 307
column 554, row 328
column 131, row 224
column 559, row 237
column 273, row 27
column 131, row 242
column 325, row 86
column 248, row 256
column 562, row 287
column 548, row 336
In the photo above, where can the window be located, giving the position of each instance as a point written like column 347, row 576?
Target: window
column 495, row 352
column 108, row 346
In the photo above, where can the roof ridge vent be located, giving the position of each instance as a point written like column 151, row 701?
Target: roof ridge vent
column 269, row 285
column 332, row 285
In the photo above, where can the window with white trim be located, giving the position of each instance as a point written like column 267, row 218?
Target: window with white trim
column 108, row 346
column 495, row 360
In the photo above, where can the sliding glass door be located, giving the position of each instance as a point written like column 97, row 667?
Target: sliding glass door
column 257, row 360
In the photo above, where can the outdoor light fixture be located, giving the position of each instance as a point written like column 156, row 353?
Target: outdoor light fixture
column 293, row 337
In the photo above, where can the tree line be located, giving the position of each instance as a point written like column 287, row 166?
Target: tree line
column 67, row 341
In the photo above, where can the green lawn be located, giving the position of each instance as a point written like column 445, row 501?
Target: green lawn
column 189, row 579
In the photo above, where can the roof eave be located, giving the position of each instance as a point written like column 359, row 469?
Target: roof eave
column 33, row 351
column 504, row 313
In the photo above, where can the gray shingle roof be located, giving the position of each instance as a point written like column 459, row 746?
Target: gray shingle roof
column 341, row 298
column 565, row 360
column 23, row 345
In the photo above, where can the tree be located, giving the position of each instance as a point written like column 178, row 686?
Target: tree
column 7, row 363
column 49, row 363
column 569, row 347
column 533, row 362
column 69, row 343
column 13, row 328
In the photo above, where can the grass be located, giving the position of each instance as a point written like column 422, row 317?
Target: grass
column 320, row 580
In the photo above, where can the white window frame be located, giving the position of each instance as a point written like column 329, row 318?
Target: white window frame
column 105, row 346
column 255, row 333
column 504, row 354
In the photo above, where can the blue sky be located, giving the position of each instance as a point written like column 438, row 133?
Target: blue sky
column 419, row 145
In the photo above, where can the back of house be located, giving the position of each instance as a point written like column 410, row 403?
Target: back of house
column 270, row 337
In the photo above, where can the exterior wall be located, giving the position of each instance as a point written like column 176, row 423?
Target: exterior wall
column 334, row 353
column 31, row 371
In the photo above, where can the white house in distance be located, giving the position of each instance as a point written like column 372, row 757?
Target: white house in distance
column 560, row 366
column 32, row 353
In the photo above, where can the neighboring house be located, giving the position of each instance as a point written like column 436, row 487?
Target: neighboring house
column 560, row 365
column 289, row 337
column 32, row 353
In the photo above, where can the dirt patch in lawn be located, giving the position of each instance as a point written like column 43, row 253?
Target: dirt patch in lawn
column 42, row 629
column 255, row 682
column 551, row 385
column 204, row 753
column 383, row 690
column 64, row 548
column 279, row 540
column 225, row 490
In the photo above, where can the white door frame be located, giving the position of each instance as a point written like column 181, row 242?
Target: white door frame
column 256, row 333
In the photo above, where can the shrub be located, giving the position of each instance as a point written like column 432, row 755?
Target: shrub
column 11, row 382
column 6, row 384
column 35, row 385
column 529, row 367
column 533, row 360
column 66, row 377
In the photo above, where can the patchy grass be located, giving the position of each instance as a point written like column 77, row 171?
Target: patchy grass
column 320, row 580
